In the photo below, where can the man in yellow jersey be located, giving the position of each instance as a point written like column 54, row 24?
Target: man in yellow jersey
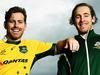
column 18, row 56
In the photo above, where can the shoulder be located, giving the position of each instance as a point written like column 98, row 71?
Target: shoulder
column 34, row 42
column 97, row 36
column 2, row 41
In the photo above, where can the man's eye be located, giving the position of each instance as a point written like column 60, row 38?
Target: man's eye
column 86, row 16
column 20, row 21
column 77, row 17
column 11, row 21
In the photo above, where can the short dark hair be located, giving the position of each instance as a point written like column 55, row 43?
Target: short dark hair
column 72, row 19
column 14, row 10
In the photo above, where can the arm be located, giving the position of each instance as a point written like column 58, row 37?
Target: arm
column 62, row 46
column 67, row 44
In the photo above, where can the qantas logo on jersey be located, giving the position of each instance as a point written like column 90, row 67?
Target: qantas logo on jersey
column 15, row 61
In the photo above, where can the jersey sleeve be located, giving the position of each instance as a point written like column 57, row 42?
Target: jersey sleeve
column 44, row 49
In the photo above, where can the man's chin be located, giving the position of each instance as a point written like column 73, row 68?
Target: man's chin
column 83, row 32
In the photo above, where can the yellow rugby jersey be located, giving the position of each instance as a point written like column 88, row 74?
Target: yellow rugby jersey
column 17, row 59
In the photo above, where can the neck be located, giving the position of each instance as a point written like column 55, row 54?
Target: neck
column 84, row 36
column 11, row 40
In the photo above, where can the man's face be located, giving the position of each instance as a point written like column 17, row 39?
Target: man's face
column 83, row 19
column 15, row 26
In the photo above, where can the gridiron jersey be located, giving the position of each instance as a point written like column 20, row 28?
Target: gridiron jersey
column 17, row 59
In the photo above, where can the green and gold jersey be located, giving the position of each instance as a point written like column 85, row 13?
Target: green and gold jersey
column 17, row 59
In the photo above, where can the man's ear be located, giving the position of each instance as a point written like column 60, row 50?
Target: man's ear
column 93, row 19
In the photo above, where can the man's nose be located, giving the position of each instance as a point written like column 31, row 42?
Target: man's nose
column 82, row 18
column 16, row 24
